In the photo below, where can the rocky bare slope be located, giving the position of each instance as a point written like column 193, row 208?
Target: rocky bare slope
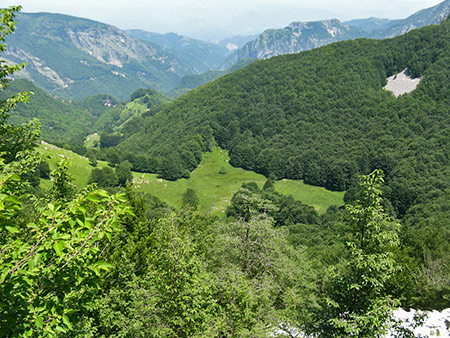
column 75, row 57
column 300, row 36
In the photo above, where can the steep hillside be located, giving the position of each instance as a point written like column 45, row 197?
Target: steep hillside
column 69, row 122
column 74, row 57
column 371, row 23
column 322, row 116
column 425, row 17
column 198, row 55
column 300, row 36
column 61, row 120
column 297, row 37
column 141, row 101
column 192, row 81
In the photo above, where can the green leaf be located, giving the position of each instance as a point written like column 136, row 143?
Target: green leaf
column 103, row 265
column 36, row 259
column 102, row 193
column 63, row 236
column 51, row 207
column 39, row 322
column 13, row 230
column 28, row 280
column 3, row 276
column 66, row 321
column 93, row 198
column 100, row 265
column 32, row 225
column 82, row 209
column 60, row 329
column 14, row 177
column 59, row 246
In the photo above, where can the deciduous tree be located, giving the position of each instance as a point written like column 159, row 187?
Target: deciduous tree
column 356, row 301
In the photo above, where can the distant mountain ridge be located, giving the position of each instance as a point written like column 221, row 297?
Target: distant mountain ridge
column 192, row 81
column 196, row 54
column 295, row 38
column 301, row 36
column 75, row 57
column 425, row 17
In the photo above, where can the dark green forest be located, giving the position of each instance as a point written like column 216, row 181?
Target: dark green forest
column 323, row 116
column 86, row 262
column 323, row 113
column 63, row 121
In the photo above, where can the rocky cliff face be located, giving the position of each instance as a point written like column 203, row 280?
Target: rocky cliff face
column 74, row 57
column 425, row 17
column 296, row 37
column 300, row 36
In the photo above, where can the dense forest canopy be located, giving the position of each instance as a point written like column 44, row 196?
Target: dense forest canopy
column 321, row 116
column 324, row 117
column 62, row 120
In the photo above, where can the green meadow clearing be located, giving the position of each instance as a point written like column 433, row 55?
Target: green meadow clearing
column 92, row 140
column 319, row 197
column 79, row 169
column 214, row 180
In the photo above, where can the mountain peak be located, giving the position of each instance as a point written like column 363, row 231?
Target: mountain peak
column 299, row 36
column 75, row 57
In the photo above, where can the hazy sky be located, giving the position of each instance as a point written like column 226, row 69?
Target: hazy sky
column 241, row 17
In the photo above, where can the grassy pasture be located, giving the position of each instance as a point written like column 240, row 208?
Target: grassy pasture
column 214, row 180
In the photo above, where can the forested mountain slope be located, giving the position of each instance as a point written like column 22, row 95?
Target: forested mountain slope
column 75, row 57
column 300, row 36
column 192, row 81
column 62, row 120
column 321, row 116
column 141, row 101
column 68, row 122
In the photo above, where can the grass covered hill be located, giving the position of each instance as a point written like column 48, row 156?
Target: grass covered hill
column 322, row 116
column 141, row 101
column 214, row 180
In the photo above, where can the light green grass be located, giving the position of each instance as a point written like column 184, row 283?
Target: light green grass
column 91, row 140
column 79, row 170
column 214, row 189
column 319, row 197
